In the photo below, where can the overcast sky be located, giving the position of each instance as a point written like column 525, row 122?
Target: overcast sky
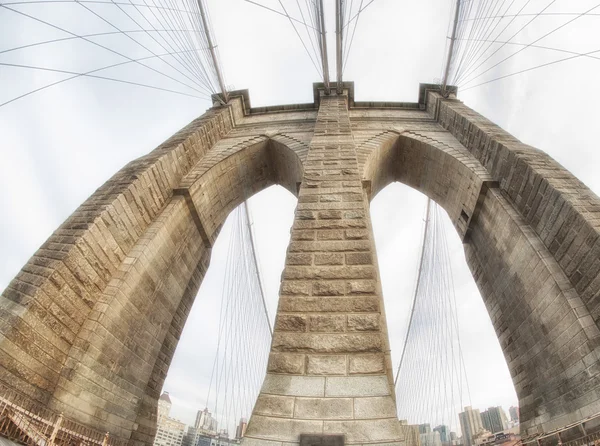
column 59, row 145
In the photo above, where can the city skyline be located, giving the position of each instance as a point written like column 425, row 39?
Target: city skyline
column 432, row 426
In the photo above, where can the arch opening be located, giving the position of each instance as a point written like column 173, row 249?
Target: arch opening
column 189, row 380
column 397, row 213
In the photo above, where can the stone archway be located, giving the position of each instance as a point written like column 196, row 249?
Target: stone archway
column 90, row 324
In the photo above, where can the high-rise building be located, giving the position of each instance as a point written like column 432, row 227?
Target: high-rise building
column 189, row 438
column 424, row 428
column 444, row 432
column 470, row 424
column 169, row 432
column 494, row 419
column 411, row 433
column 514, row 414
column 205, row 421
column 164, row 406
column 241, row 428
column 430, row 438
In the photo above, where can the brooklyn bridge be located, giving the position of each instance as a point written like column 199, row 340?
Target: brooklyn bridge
column 91, row 323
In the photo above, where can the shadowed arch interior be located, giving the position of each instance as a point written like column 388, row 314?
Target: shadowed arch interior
column 448, row 175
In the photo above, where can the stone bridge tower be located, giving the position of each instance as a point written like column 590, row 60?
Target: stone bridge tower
column 90, row 324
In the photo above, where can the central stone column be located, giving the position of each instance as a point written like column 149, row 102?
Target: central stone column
column 329, row 369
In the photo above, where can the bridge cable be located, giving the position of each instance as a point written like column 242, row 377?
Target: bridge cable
column 479, row 33
column 431, row 381
column 244, row 333
column 194, row 66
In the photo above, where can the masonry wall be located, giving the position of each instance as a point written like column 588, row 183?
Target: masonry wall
column 90, row 324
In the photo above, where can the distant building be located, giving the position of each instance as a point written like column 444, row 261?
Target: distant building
column 444, row 432
column 470, row 424
column 424, row 428
column 164, row 406
column 205, row 422
column 169, row 432
column 411, row 433
column 514, row 414
column 241, row 429
column 494, row 419
column 220, row 439
column 189, row 438
column 430, row 438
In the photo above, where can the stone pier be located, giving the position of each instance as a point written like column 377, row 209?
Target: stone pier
column 329, row 370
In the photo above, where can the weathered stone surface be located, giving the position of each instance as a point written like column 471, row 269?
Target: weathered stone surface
column 355, row 386
column 325, row 273
column 326, row 365
column 286, row 363
column 361, row 431
column 293, row 385
column 343, row 285
column 271, row 405
column 324, row 408
column 374, row 407
column 356, row 234
column 364, row 322
column 323, row 288
column 328, row 323
column 326, row 342
column 274, row 428
column 329, row 258
column 300, row 259
column 359, row 258
column 362, row 287
column 291, row 322
column 366, row 364
column 295, row 288
column 367, row 304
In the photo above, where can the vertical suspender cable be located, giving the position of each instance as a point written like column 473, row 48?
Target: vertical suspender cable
column 324, row 57
column 213, row 53
column 262, row 290
column 451, row 48
column 339, row 18
column 412, row 312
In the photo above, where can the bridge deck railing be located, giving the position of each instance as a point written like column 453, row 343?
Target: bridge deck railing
column 30, row 423
column 582, row 433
